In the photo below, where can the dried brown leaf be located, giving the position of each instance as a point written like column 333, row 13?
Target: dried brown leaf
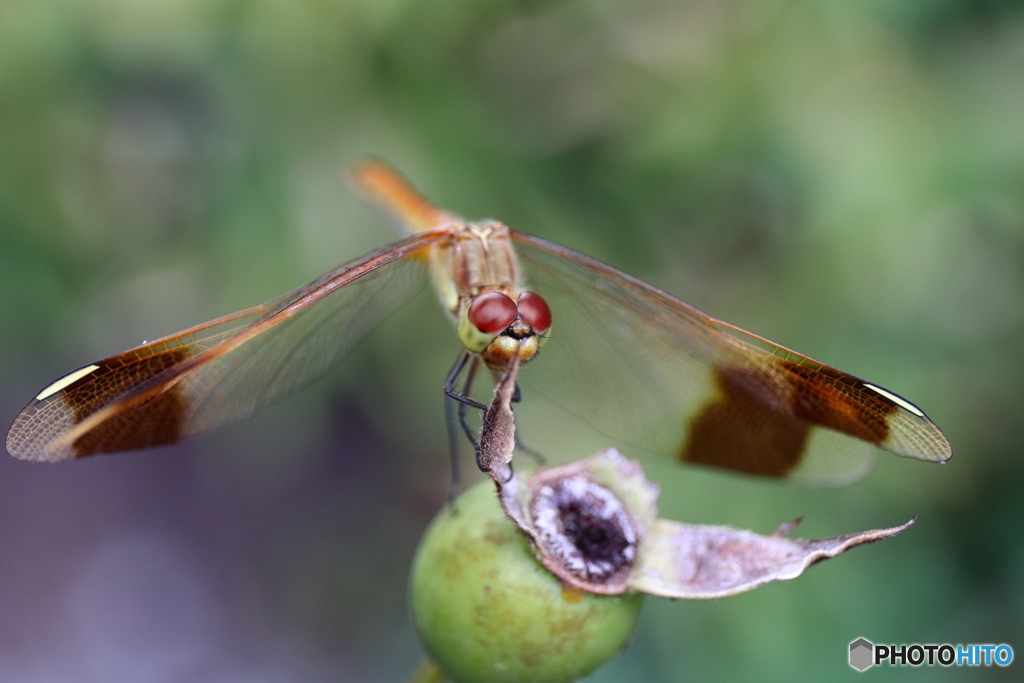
column 692, row 561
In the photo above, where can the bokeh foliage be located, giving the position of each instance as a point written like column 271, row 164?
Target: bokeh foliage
column 844, row 178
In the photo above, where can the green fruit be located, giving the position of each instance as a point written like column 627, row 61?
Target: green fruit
column 488, row 611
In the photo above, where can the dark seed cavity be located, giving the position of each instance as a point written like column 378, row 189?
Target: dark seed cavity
column 585, row 527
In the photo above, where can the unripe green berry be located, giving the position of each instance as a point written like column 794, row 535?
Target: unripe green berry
column 488, row 611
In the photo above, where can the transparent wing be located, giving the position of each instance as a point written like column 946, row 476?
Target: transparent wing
column 220, row 372
column 647, row 369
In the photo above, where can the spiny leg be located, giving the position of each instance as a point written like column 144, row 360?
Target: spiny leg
column 467, row 390
column 451, row 416
column 537, row 456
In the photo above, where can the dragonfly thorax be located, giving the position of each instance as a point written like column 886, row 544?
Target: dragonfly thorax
column 473, row 258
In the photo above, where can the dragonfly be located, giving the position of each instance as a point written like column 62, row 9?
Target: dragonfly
column 636, row 363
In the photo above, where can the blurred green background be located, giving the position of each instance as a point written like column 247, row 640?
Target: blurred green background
column 844, row 178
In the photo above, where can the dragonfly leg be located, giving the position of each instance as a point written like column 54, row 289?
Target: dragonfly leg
column 467, row 389
column 453, row 377
column 537, row 456
column 455, row 417
column 463, row 399
column 453, row 450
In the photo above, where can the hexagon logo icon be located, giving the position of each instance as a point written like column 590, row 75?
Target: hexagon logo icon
column 861, row 654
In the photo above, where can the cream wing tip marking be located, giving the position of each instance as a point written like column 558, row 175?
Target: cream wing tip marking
column 66, row 381
column 902, row 402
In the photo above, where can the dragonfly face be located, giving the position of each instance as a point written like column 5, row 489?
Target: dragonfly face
column 641, row 366
column 496, row 326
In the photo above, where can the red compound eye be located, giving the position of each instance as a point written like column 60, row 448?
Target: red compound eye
column 534, row 310
column 492, row 312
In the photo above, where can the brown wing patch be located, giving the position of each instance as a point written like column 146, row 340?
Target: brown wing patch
column 748, row 429
column 152, row 423
column 37, row 431
column 116, row 376
column 761, row 419
column 830, row 398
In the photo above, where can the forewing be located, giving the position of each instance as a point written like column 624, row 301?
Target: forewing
column 220, row 372
column 643, row 367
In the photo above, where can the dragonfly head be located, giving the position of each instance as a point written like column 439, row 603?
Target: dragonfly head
column 494, row 325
